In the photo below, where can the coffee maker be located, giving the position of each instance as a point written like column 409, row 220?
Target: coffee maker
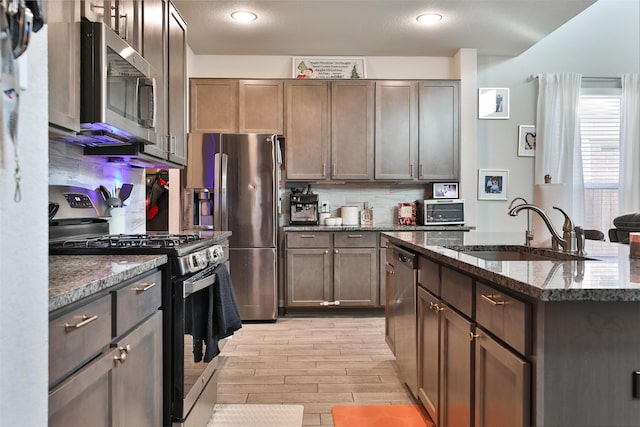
column 303, row 207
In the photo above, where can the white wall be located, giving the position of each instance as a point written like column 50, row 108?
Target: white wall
column 24, row 255
column 603, row 41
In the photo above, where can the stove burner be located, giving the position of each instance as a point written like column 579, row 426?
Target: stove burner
column 133, row 241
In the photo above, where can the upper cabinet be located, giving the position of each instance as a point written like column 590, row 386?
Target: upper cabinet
column 417, row 130
column 165, row 47
column 396, row 130
column 329, row 129
column 236, row 106
column 439, row 133
column 63, row 22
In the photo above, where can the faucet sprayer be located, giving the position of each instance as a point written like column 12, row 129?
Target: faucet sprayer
column 528, row 235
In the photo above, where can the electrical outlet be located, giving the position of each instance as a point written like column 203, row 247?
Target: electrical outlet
column 324, row 206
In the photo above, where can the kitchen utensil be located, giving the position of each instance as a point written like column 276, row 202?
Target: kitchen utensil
column 125, row 191
column 53, row 209
column 114, row 202
column 106, row 195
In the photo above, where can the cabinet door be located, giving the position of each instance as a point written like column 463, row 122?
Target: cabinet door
column 396, row 137
column 85, row 398
column 502, row 385
column 455, row 370
column 153, row 50
column 261, row 106
column 63, row 22
column 214, row 105
column 352, row 130
column 308, row 277
column 439, row 147
column 429, row 308
column 355, row 276
column 127, row 22
column 177, row 87
column 307, row 147
column 137, row 376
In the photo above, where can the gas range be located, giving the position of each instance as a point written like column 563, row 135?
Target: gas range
column 188, row 253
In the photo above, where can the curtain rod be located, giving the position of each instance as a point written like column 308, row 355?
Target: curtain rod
column 537, row 76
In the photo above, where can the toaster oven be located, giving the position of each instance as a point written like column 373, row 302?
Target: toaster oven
column 441, row 212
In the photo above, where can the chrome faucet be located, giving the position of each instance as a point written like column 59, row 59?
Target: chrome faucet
column 528, row 236
column 572, row 239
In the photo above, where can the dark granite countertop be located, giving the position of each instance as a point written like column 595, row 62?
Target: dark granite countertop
column 377, row 227
column 74, row 277
column 609, row 274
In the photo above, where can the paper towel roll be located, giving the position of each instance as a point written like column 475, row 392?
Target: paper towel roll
column 546, row 196
column 350, row 215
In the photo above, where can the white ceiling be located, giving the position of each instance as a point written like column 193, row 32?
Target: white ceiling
column 373, row 27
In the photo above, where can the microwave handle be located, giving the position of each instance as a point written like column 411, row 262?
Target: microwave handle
column 147, row 98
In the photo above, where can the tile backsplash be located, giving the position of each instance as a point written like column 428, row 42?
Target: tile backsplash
column 68, row 166
column 383, row 198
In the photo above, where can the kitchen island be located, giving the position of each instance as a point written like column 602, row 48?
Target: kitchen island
column 525, row 342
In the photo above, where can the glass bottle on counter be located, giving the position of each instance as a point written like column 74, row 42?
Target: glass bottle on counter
column 366, row 215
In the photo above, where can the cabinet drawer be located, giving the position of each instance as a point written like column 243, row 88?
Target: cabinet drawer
column 308, row 240
column 77, row 336
column 504, row 316
column 456, row 289
column 354, row 240
column 429, row 275
column 136, row 301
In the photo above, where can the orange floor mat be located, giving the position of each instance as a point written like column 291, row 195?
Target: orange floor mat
column 380, row 416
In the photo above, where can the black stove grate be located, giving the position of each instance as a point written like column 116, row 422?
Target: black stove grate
column 151, row 241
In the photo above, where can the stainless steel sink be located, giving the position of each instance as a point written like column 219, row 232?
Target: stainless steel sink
column 516, row 253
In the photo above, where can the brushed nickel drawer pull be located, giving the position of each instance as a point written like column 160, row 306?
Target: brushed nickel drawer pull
column 146, row 287
column 491, row 299
column 308, row 236
column 355, row 236
column 85, row 321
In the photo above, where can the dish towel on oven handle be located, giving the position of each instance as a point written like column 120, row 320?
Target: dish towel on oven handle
column 211, row 315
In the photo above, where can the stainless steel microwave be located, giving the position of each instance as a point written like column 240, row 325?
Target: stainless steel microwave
column 117, row 90
column 443, row 212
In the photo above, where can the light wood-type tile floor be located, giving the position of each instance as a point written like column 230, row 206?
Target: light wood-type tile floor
column 318, row 362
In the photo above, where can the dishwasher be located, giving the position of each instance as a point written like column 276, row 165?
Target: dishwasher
column 405, row 271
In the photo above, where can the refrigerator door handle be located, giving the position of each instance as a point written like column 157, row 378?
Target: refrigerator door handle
column 224, row 213
column 216, row 192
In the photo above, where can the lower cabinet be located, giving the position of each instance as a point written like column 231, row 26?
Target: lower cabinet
column 331, row 269
column 121, row 388
column 472, row 368
column 106, row 358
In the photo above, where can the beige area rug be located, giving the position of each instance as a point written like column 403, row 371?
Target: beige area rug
column 242, row 415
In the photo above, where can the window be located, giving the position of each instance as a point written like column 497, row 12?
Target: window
column 600, row 133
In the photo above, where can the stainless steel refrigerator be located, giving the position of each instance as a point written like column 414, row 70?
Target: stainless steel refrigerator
column 232, row 183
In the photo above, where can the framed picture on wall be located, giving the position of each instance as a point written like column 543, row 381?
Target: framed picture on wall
column 493, row 103
column 493, row 184
column 445, row 190
column 526, row 140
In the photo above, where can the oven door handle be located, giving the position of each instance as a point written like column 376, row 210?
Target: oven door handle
column 191, row 287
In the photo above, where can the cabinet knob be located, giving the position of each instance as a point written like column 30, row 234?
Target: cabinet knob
column 335, row 251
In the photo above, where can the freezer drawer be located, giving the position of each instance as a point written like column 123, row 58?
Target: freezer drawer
column 253, row 273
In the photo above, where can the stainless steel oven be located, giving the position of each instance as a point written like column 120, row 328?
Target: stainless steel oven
column 194, row 271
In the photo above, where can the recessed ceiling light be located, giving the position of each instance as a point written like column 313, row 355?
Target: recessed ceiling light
column 429, row 18
column 244, row 16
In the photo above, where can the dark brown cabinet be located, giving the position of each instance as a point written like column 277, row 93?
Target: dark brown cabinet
column 106, row 358
column 331, row 269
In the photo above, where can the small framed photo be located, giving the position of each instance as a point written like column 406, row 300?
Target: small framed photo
column 445, row 190
column 493, row 184
column 526, row 140
column 493, row 103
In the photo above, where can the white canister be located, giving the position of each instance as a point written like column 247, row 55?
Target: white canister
column 350, row 215
column 323, row 216
column 117, row 221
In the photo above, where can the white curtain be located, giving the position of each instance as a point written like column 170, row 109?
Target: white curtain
column 629, row 191
column 558, row 151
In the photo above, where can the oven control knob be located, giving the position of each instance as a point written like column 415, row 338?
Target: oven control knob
column 216, row 253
